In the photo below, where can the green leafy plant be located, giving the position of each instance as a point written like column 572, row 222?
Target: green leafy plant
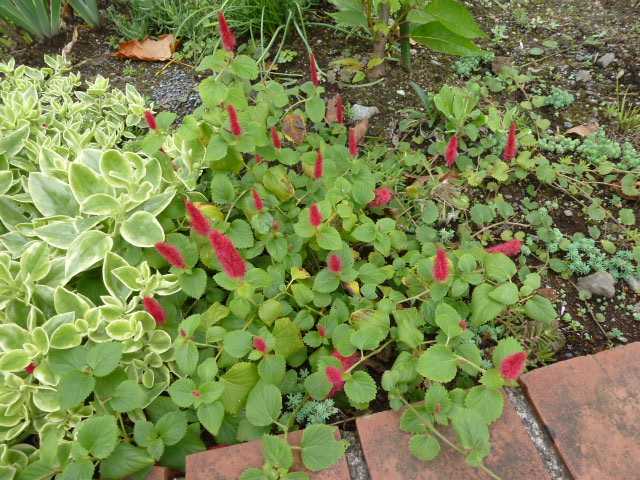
column 43, row 18
column 443, row 25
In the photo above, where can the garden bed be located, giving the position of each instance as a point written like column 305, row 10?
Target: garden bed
column 391, row 233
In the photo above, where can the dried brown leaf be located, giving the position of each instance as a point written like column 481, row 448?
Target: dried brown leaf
column 584, row 130
column 361, row 129
column 294, row 128
column 332, row 115
column 149, row 50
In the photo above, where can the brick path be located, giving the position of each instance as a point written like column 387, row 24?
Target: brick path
column 580, row 420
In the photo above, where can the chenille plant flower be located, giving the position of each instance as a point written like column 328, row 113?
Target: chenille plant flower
column 313, row 70
column 339, row 109
column 334, row 263
column 353, row 143
column 275, row 139
column 260, row 344
column 226, row 35
column 236, row 129
column 157, row 311
column 441, row 268
column 198, row 221
column 257, row 200
column 171, row 254
column 151, row 120
column 315, row 215
column 383, row 196
column 513, row 365
column 318, row 168
column 230, row 259
column 510, row 249
column 511, row 148
column 451, row 153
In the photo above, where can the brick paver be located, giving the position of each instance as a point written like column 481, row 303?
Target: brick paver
column 162, row 473
column 591, row 407
column 386, row 449
column 228, row 463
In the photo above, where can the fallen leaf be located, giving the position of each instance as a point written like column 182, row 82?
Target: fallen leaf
column 550, row 293
column 331, row 115
column 361, row 129
column 499, row 63
column 584, row 130
column 149, row 50
column 294, row 128
column 74, row 38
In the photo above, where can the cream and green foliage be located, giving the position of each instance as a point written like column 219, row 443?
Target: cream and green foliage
column 115, row 392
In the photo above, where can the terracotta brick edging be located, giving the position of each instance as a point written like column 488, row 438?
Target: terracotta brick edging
column 228, row 463
column 162, row 473
column 591, row 407
column 386, row 450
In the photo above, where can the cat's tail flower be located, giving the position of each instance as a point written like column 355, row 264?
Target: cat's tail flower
column 334, row 375
column 31, row 368
column 451, row 153
column 318, row 169
column 334, row 262
column 511, row 149
column 510, row 249
column 315, row 215
column 171, row 254
column 275, row 138
column 339, row 109
column 353, row 143
column 151, row 120
column 236, row 129
column 313, row 70
column 226, row 35
column 513, row 365
column 153, row 308
column 198, row 221
column 230, row 259
column 383, row 196
column 260, row 344
column 257, row 200
column 347, row 362
column 441, row 268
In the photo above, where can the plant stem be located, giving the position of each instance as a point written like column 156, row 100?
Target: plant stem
column 405, row 46
column 371, row 354
column 444, row 439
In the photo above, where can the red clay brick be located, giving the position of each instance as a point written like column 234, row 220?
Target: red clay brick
column 162, row 473
column 386, row 449
column 591, row 407
column 229, row 462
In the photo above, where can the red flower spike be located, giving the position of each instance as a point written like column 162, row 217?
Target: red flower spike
column 151, row 120
column 513, row 365
column 31, row 368
column 353, row 143
column 463, row 324
column 334, row 375
column 511, row 148
column 383, row 196
column 257, row 200
column 260, row 344
column 226, row 35
column 275, row 138
column 322, row 331
column 339, row 109
column 196, row 393
column 315, row 215
column 441, row 266
column 318, row 170
column 313, row 69
column 259, row 159
column 334, row 263
column 153, row 307
column 347, row 362
column 171, row 254
column 230, row 259
column 451, row 154
column 510, row 249
column 236, row 129
column 198, row 221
